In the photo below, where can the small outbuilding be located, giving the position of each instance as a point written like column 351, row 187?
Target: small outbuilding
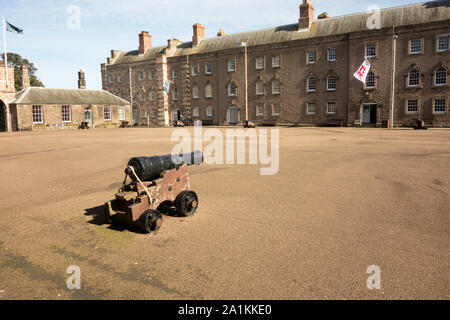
column 37, row 108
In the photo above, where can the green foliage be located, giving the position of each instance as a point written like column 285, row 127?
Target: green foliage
column 17, row 61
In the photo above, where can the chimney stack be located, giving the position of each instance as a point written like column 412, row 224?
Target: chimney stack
column 81, row 80
column 306, row 15
column 145, row 41
column 25, row 77
column 199, row 34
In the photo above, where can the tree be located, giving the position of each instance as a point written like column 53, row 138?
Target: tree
column 17, row 61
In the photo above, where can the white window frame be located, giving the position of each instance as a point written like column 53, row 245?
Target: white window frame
column 141, row 76
column 107, row 111
column 195, row 92
column 122, row 113
column 330, row 59
column 208, row 68
column 435, row 77
column 331, row 103
column 276, row 114
column 409, row 78
column 328, row 83
column 308, row 109
column 194, row 70
column 64, row 113
column 174, row 73
column 434, row 106
column 260, row 85
column 230, row 93
column 208, row 94
column 196, row 112
column 411, row 46
column 437, row 43
column 110, row 79
column 231, row 66
column 154, row 113
column 407, row 106
column 308, row 56
column 259, row 63
column 308, row 88
column 260, row 107
column 209, row 111
column 374, row 81
column 37, row 112
column 374, row 50
column 276, row 65
column 274, row 89
column 119, row 78
column 151, row 75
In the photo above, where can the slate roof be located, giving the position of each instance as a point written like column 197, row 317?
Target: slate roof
column 37, row 95
column 398, row 16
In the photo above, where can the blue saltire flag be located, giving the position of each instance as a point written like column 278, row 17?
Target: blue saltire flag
column 13, row 29
column 167, row 87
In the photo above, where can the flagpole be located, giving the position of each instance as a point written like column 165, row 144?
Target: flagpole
column 4, row 48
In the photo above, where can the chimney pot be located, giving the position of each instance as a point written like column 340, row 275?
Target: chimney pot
column 145, row 41
column 306, row 15
column 199, row 34
column 81, row 80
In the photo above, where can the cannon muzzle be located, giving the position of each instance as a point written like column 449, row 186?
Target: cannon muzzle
column 150, row 168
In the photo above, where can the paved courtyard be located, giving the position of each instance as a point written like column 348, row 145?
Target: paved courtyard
column 344, row 199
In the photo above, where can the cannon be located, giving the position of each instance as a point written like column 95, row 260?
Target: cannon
column 154, row 182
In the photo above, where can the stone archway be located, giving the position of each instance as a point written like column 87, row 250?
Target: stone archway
column 3, row 117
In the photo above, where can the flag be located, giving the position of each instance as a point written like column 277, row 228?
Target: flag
column 13, row 29
column 362, row 72
column 167, row 87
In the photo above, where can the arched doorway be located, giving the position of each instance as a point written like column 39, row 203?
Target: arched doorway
column 3, row 117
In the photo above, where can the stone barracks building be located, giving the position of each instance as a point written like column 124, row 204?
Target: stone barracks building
column 36, row 108
column 299, row 73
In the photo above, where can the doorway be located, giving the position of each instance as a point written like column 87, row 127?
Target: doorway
column 88, row 116
column 176, row 115
column 369, row 113
column 3, row 117
column 233, row 115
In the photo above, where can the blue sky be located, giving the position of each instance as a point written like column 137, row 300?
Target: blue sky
column 59, row 51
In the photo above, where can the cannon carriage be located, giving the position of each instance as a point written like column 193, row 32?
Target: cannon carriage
column 154, row 181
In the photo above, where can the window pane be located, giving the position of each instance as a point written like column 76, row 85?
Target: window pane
column 443, row 43
column 231, row 65
column 276, row 110
column 441, row 76
column 416, row 46
column 439, row 105
column 331, row 107
column 276, row 62
column 259, row 110
column 311, row 56
column 413, row 106
column 331, row 83
column 414, row 78
column 107, row 113
column 370, row 51
column 66, row 116
column 259, row 63
column 312, row 84
column 259, row 88
column 311, row 108
column 370, row 80
column 331, row 54
column 276, row 87
column 37, row 114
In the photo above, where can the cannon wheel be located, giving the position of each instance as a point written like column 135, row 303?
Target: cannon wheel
column 186, row 203
column 150, row 221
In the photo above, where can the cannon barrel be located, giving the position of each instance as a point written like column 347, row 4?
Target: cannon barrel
column 150, row 168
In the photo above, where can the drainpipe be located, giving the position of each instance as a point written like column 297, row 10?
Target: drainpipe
column 394, row 37
column 131, row 99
